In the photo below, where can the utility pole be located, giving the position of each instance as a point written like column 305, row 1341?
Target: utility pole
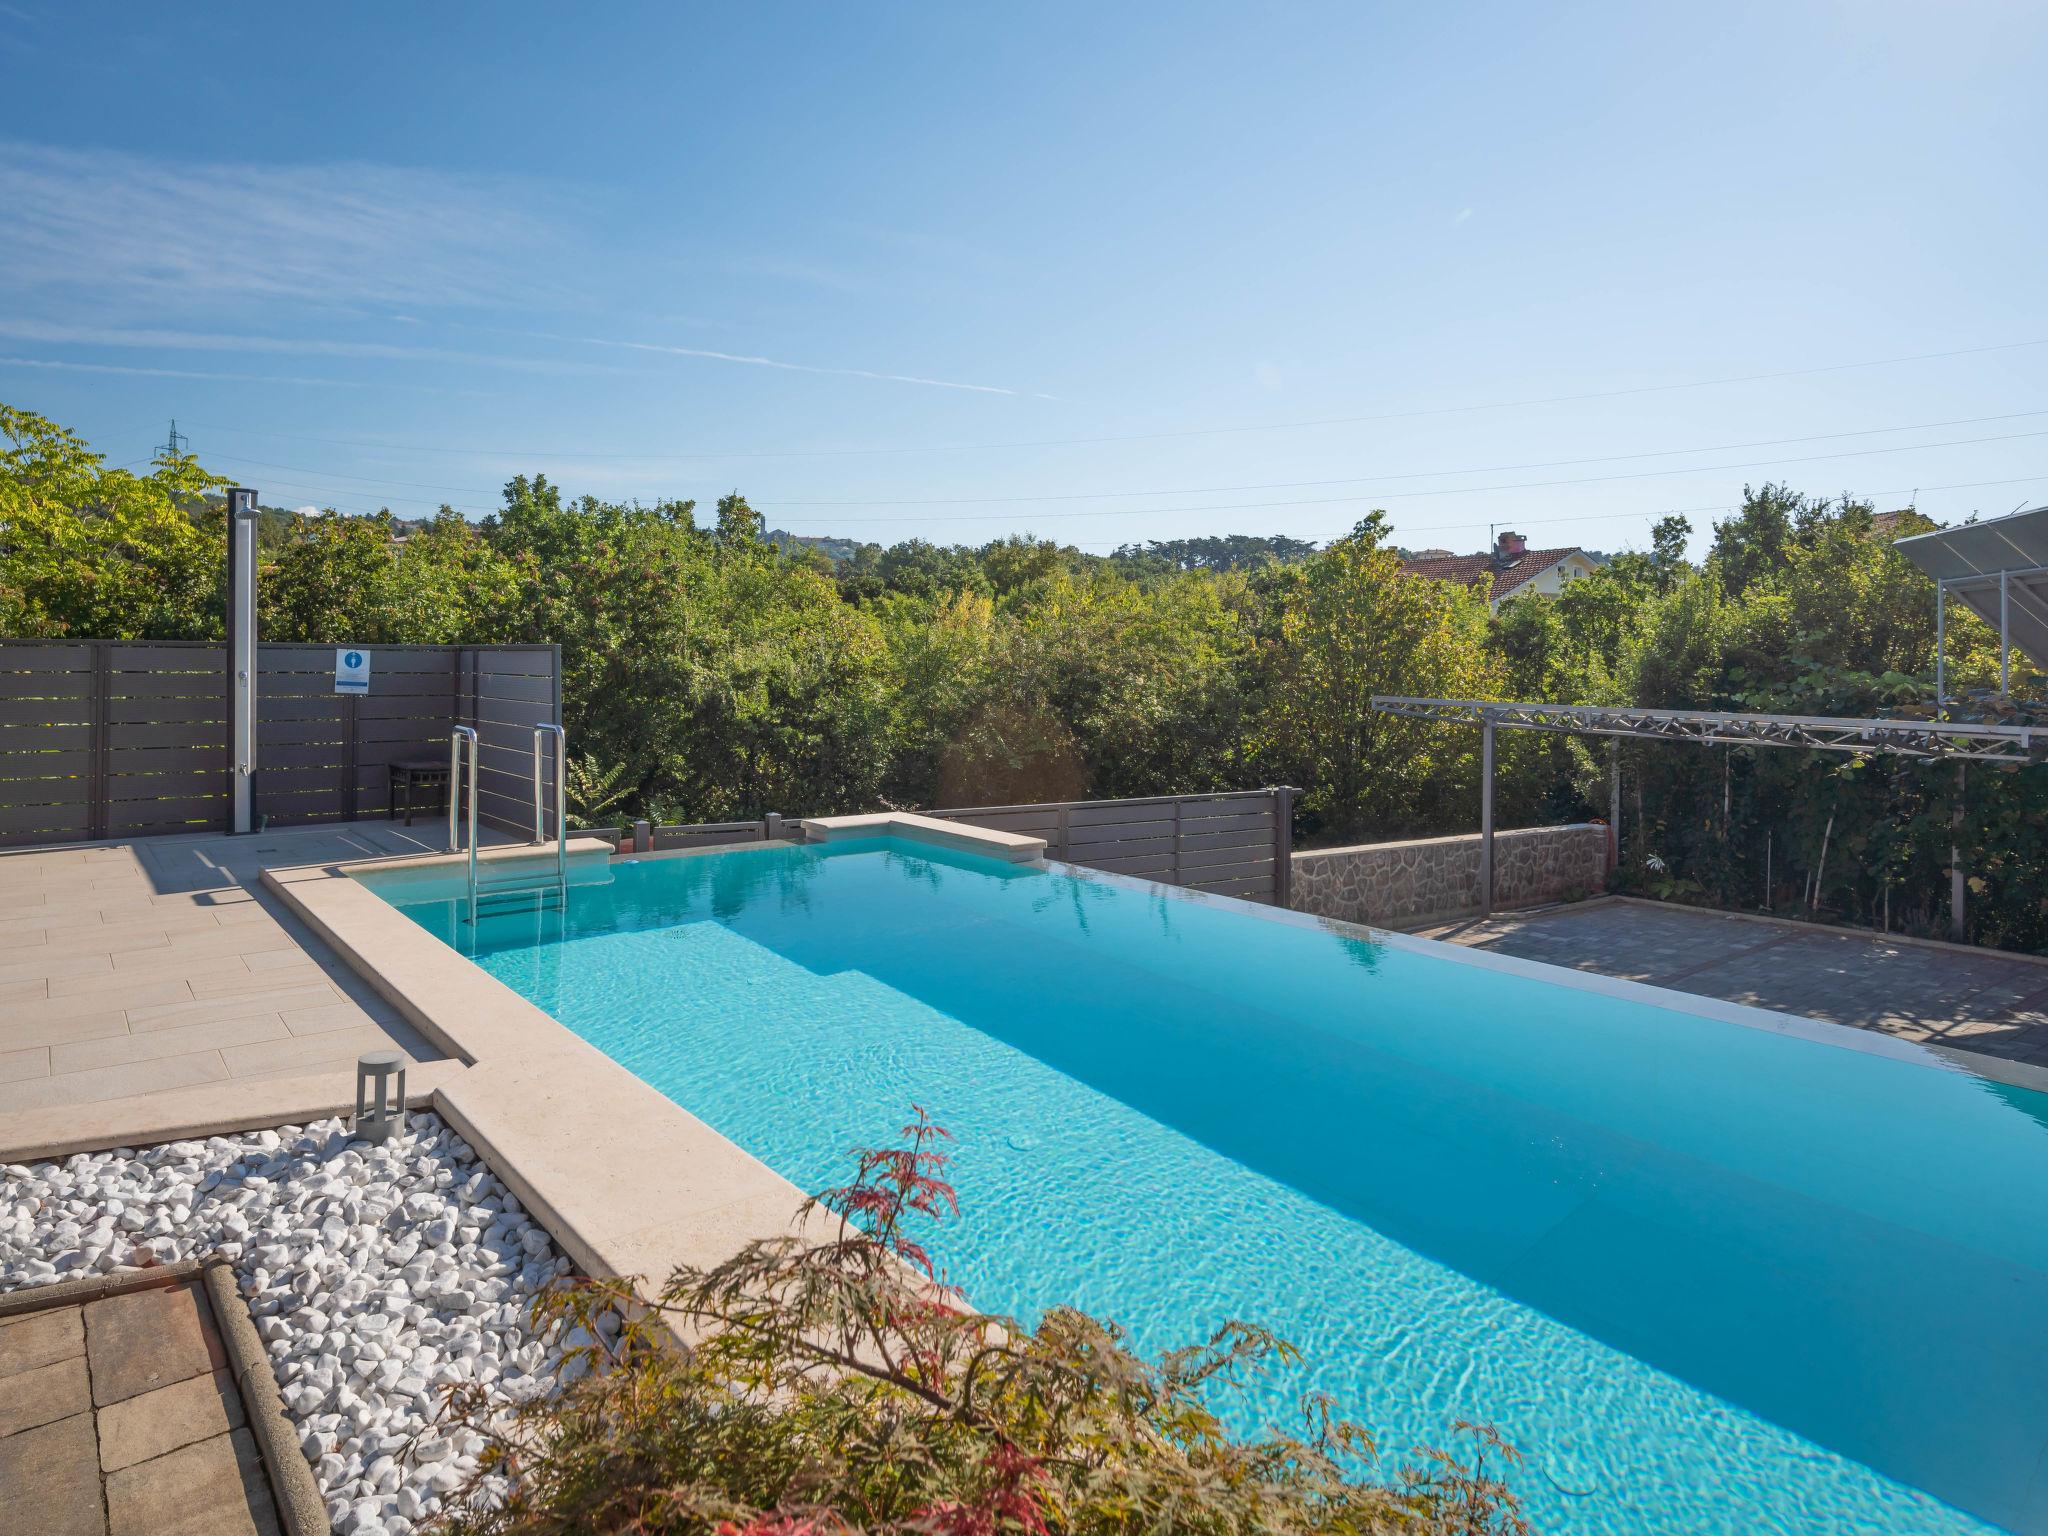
column 178, row 445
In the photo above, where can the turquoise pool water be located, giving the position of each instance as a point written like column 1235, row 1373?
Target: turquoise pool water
column 1710, row 1277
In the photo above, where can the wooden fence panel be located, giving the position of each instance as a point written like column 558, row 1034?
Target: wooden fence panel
column 163, row 739
column 48, row 755
column 110, row 738
column 1236, row 844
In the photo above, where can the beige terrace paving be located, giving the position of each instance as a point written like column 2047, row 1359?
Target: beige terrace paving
column 141, row 968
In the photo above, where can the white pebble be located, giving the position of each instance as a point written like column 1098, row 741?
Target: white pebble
column 376, row 1276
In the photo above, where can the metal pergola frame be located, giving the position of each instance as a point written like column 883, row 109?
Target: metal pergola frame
column 1935, row 740
column 1943, row 585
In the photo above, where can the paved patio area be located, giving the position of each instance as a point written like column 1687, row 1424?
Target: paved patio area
column 1974, row 1000
column 119, row 1417
column 160, row 964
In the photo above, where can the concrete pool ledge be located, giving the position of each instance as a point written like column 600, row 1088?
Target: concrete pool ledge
column 986, row 841
column 628, row 1182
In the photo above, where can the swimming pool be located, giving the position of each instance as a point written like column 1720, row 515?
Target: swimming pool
column 1709, row 1276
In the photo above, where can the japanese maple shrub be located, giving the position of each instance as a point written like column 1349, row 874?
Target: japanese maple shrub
column 833, row 1383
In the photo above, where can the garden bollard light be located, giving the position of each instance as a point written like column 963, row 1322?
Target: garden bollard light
column 376, row 1123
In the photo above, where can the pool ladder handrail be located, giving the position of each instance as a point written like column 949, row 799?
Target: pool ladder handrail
column 558, row 882
column 456, row 737
column 561, row 739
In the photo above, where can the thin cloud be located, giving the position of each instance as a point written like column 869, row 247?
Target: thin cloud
column 157, row 338
column 171, row 373
column 752, row 360
column 120, row 229
column 772, row 362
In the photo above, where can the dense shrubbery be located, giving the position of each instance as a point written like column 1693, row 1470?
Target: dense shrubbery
column 727, row 675
column 833, row 1385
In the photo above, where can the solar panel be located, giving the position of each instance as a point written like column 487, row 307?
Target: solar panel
column 1970, row 561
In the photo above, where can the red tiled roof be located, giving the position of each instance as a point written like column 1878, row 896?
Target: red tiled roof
column 1468, row 570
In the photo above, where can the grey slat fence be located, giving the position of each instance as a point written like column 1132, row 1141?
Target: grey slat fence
column 115, row 738
column 1234, row 844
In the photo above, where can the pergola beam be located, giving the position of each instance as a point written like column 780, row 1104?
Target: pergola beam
column 1943, row 740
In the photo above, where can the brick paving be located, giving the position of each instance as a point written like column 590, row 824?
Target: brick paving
column 117, row 1418
column 1976, row 1000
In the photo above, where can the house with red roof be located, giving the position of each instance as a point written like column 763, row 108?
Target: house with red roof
column 1510, row 570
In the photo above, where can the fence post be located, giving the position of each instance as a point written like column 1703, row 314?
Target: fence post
column 1486, row 814
column 771, row 827
column 1283, row 846
column 98, row 815
column 643, row 837
column 1958, row 885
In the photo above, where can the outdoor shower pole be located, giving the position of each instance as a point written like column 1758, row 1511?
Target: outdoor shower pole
column 241, row 657
column 1486, row 814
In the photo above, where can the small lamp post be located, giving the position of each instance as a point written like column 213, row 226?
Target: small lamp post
column 375, row 1122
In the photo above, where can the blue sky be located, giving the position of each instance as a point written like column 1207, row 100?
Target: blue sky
column 1097, row 273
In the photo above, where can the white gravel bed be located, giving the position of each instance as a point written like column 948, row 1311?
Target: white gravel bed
column 376, row 1275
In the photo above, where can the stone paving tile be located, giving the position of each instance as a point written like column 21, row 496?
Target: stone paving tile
column 143, row 1340
column 43, row 1395
column 242, row 982
column 34, row 1061
column 301, row 1052
column 36, row 1339
column 1980, row 1001
column 28, row 1034
column 102, row 947
column 154, row 1423
column 50, row 1481
column 36, row 963
column 152, row 1045
column 217, row 943
column 139, row 993
column 124, row 1081
column 209, row 1009
column 325, row 1018
column 210, row 970
column 214, row 1487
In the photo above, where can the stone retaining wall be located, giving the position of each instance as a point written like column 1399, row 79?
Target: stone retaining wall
column 1400, row 885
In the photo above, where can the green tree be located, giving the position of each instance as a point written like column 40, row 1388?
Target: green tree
column 1346, row 624
column 103, row 553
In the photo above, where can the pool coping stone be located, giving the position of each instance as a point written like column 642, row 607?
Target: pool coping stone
column 628, row 1182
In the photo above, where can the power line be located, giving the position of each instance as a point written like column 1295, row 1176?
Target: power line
column 1141, row 437
column 1423, row 474
column 480, row 490
column 1458, row 490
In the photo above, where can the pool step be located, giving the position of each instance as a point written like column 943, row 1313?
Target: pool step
column 519, row 895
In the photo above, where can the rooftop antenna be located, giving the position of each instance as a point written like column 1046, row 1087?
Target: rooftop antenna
column 178, row 444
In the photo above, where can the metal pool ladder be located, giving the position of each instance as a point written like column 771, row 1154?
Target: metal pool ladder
column 519, row 890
